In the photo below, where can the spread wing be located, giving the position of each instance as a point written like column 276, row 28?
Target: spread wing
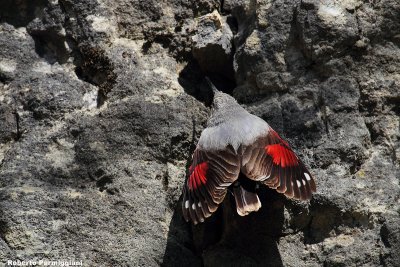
column 209, row 177
column 270, row 160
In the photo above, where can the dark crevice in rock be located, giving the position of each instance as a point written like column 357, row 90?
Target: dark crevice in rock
column 299, row 28
column 374, row 135
column 103, row 182
column 169, row 195
column 164, row 180
column 233, row 25
column 384, row 233
column 355, row 167
column 9, row 125
column 221, row 7
column 4, row 79
column 95, row 67
column 298, row 59
column 360, row 32
column 192, row 75
column 213, row 49
column 164, row 39
column 394, row 104
column 325, row 119
column 50, row 36
column 18, row 133
column 20, row 13
column 192, row 79
column 223, row 84
column 50, row 46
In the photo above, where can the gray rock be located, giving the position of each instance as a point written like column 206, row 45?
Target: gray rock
column 9, row 124
column 101, row 105
column 212, row 44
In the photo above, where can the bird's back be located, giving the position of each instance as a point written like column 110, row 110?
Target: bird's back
column 241, row 129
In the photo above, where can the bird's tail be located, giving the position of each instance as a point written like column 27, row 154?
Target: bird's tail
column 246, row 201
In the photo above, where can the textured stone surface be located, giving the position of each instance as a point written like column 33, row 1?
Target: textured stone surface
column 212, row 44
column 102, row 102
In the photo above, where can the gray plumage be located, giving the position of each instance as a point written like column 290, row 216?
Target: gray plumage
column 241, row 149
column 230, row 124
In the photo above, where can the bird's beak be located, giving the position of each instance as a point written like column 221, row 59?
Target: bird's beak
column 214, row 89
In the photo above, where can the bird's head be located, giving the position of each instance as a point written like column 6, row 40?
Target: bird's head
column 224, row 107
column 223, row 101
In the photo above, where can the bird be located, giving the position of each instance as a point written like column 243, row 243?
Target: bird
column 235, row 151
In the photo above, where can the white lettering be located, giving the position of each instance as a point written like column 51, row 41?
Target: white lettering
column 42, row 262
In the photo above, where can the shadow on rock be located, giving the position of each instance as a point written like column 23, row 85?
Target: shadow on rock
column 180, row 250
column 192, row 79
column 227, row 239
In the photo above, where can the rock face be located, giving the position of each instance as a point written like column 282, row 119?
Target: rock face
column 102, row 102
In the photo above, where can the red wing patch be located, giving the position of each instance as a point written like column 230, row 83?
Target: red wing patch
column 271, row 161
column 198, row 175
column 282, row 155
column 210, row 174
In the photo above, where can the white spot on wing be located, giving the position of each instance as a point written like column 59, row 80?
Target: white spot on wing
column 199, row 204
column 193, row 206
column 307, row 176
column 304, row 182
column 298, row 183
column 186, row 204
